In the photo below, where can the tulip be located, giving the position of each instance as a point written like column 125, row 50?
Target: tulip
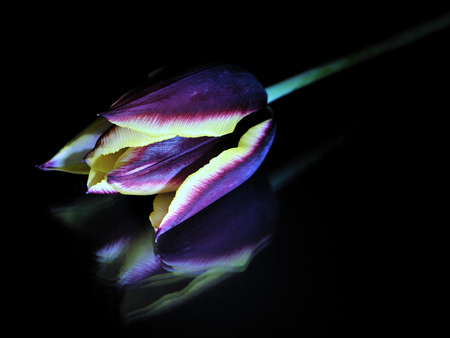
column 193, row 137
column 188, row 138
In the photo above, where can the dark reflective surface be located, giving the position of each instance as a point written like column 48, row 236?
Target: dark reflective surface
column 209, row 247
column 348, row 256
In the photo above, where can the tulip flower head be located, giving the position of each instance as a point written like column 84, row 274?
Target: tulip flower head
column 188, row 138
column 192, row 137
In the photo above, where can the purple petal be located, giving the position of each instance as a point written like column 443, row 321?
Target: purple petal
column 205, row 101
column 163, row 166
column 221, row 175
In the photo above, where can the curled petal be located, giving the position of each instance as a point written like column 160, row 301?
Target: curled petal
column 221, row 175
column 70, row 158
column 205, row 101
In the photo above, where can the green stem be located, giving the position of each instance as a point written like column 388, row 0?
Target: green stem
column 303, row 79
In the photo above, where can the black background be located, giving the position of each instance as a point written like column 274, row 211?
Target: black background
column 359, row 242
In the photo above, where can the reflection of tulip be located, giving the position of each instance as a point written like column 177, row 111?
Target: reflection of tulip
column 213, row 244
column 191, row 138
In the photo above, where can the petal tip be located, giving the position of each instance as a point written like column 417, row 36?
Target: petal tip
column 47, row 166
column 159, row 232
column 40, row 166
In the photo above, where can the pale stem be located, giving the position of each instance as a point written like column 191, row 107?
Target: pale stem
column 298, row 81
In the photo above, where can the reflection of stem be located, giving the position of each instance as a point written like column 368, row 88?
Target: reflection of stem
column 297, row 166
column 170, row 300
column 303, row 79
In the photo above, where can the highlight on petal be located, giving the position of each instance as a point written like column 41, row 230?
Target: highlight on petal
column 69, row 158
column 221, row 175
column 206, row 101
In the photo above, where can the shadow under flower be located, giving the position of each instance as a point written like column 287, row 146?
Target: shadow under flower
column 202, row 251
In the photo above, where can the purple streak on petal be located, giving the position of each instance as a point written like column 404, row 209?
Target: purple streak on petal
column 164, row 164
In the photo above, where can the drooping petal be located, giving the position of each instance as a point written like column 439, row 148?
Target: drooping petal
column 205, row 101
column 69, row 158
column 221, row 175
